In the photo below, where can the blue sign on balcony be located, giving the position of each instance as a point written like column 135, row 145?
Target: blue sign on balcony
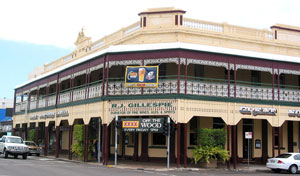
column 141, row 76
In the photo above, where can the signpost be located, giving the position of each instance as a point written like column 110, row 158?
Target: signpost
column 248, row 135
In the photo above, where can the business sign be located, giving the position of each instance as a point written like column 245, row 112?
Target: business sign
column 153, row 125
column 294, row 113
column 258, row 111
column 145, row 76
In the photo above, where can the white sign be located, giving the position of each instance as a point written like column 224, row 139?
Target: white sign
column 248, row 135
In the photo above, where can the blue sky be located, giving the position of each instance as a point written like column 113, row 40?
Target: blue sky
column 20, row 58
column 35, row 32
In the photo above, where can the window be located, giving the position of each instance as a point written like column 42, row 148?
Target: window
column 218, row 123
column 255, row 77
column 158, row 139
column 199, row 71
column 162, row 71
column 276, row 135
column 193, row 131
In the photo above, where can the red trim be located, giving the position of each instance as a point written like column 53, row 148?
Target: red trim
column 279, row 140
column 159, row 12
column 36, row 140
column 273, row 141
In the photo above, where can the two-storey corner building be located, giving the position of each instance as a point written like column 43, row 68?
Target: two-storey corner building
column 211, row 75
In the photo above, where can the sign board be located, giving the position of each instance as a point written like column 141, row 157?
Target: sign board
column 141, row 76
column 153, row 125
column 248, row 135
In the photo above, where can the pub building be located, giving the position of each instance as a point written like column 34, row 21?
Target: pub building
column 210, row 75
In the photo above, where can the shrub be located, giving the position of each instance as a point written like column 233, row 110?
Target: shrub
column 78, row 146
column 211, row 144
column 31, row 135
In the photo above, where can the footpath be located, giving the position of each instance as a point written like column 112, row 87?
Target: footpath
column 153, row 166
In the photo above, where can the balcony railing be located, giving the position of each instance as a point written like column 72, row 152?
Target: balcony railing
column 190, row 85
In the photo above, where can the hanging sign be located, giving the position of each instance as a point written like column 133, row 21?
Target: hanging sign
column 153, row 125
column 141, row 76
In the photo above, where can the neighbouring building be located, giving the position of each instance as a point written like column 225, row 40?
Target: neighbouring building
column 211, row 75
column 6, row 112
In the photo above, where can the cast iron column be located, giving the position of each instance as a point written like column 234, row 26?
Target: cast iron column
column 185, row 146
column 36, row 135
column 273, row 142
column 228, row 145
column 70, row 141
column 234, row 146
column 178, row 144
column 86, row 142
column 46, row 141
column 57, row 140
column 136, row 147
column 279, row 140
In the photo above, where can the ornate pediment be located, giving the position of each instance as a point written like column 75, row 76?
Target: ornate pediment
column 82, row 40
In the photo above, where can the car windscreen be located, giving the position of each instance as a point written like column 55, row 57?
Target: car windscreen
column 283, row 156
column 14, row 140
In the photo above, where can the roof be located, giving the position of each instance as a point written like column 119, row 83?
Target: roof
column 166, row 46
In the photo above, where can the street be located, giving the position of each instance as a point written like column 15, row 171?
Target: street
column 52, row 167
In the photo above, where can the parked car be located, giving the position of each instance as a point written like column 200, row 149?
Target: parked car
column 13, row 145
column 287, row 161
column 33, row 148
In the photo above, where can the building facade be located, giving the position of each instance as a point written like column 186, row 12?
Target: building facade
column 211, row 75
column 6, row 112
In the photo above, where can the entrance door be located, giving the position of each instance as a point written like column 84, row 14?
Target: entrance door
column 247, row 127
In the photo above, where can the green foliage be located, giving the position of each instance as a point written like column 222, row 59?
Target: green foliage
column 2, row 134
column 207, row 153
column 212, row 137
column 78, row 146
column 31, row 135
column 211, row 144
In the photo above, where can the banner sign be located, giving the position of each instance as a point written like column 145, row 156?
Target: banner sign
column 141, row 76
column 153, row 125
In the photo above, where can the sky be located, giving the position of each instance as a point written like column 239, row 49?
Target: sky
column 35, row 32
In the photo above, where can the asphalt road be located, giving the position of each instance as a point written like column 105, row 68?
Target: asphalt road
column 40, row 166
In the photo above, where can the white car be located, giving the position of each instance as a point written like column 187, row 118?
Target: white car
column 13, row 145
column 287, row 161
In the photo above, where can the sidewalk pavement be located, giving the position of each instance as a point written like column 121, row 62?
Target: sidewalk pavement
column 154, row 166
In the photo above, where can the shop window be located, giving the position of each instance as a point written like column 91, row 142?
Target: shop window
column 158, row 139
column 193, row 131
column 218, row 123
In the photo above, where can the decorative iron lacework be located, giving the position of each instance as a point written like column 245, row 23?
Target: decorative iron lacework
column 52, row 82
column 161, row 60
column 291, row 72
column 251, row 67
column 79, row 73
column 64, row 78
column 231, row 66
column 182, row 61
column 206, row 62
column 96, row 67
column 125, row 62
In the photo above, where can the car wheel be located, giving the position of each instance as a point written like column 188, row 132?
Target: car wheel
column 276, row 170
column 5, row 154
column 24, row 156
column 15, row 156
column 293, row 169
column 37, row 154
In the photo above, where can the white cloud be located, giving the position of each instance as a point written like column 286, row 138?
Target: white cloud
column 57, row 22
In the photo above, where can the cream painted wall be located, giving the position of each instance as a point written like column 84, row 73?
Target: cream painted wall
column 240, row 139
